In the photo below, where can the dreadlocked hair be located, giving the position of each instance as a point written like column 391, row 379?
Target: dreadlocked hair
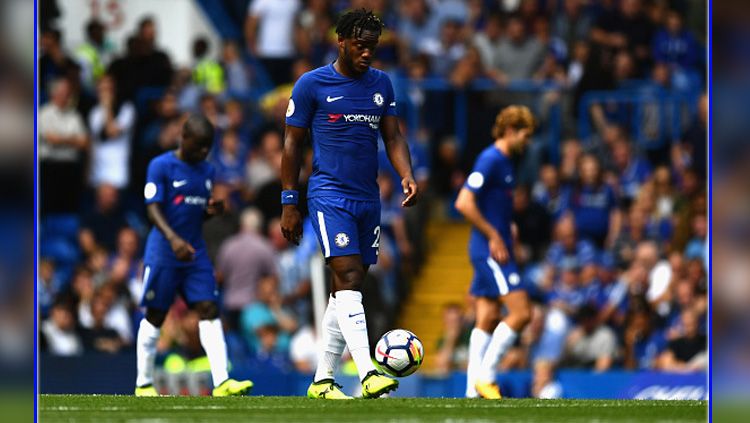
column 352, row 23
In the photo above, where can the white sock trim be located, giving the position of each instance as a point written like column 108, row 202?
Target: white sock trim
column 503, row 338
column 146, row 340
column 478, row 342
column 211, row 334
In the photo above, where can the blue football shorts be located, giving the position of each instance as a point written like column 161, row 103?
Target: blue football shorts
column 346, row 227
column 493, row 280
column 194, row 282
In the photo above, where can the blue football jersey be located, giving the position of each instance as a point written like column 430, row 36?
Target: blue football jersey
column 182, row 190
column 344, row 116
column 492, row 182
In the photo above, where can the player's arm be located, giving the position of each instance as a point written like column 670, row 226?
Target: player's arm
column 182, row 249
column 466, row 203
column 291, row 161
column 398, row 154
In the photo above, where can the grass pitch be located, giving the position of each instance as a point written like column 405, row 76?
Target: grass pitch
column 106, row 408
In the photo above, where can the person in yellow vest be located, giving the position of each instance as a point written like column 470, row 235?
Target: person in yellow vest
column 207, row 73
column 94, row 54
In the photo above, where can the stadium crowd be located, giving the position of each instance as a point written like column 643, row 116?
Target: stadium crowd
column 612, row 229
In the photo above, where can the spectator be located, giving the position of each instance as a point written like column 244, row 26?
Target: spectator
column 101, row 226
column 644, row 342
column 207, row 73
column 100, row 337
column 219, row 228
column 691, row 150
column 632, row 171
column 312, row 32
column 572, row 25
column 626, row 27
column 94, row 54
column 303, row 349
column 238, row 79
column 685, row 297
column 488, row 40
column 243, row 261
column 62, row 145
column 659, row 275
column 111, row 122
column 594, row 205
column 272, row 352
column 229, row 162
column 696, row 247
column 564, row 301
column 633, row 232
column 48, row 285
column 566, row 248
column 294, row 272
column 518, row 56
column 688, row 352
column 549, row 192
column 155, row 66
column 59, row 333
column 125, row 262
column 267, row 318
column 534, row 225
column 676, row 46
column 452, row 347
column 54, row 63
column 417, row 24
column 269, row 29
column 591, row 344
column 446, row 51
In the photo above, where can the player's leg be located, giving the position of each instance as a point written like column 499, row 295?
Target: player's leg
column 159, row 285
column 332, row 346
column 487, row 312
column 333, row 343
column 200, row 291
column 503, row 337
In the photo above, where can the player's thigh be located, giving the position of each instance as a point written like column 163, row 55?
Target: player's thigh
column 199, row 283
column 368, row 229
column 160, row 284
column 335, row 227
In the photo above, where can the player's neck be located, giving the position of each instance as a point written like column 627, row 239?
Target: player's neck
column 344, row 70
column 502, row 145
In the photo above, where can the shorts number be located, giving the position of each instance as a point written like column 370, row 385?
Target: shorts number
column 376, row 244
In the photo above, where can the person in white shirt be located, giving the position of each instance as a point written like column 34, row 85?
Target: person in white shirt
column 269, row 29
column 111, row 122
column 62, row 142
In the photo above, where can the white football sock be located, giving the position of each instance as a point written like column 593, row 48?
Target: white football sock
column 478, row 342
column 351, row 316
column 146, row 339
column 211, row 334
column 502, row 339
column 332, row 344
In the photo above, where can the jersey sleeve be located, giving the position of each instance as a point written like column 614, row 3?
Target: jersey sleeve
column 156, row 183
column 390, row 97
column 301, row 108
column 479, row 175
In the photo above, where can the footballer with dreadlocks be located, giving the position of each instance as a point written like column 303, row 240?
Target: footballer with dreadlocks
column 344, row 106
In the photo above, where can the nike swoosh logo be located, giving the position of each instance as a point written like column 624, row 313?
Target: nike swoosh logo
column 332, row 99
column 356, row 314
column 289, row 196
column 393, row 104
column 178, row 184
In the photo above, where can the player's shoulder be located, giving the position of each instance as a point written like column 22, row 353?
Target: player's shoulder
column 378, row 76
column 316, row 75
column 490, row 154
column 163, row 158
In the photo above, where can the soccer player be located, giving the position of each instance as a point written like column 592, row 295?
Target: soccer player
column 486, row 200
column 177, row 192
column 345, row 105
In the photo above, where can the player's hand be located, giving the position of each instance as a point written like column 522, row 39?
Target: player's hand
column 291, row 223
column 498, row 250
column 182, row 249
column 215, row 207
column 410, row 191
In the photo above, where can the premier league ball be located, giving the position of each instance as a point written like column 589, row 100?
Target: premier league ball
column 399, row 352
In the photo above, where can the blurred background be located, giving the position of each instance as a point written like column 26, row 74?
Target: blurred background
column 620, row 283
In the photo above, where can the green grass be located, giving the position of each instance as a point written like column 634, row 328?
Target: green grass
column 104, row 408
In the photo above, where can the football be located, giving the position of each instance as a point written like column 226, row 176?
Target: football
column 399, row 352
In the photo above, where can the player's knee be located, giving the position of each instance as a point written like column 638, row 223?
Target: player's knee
column 522, row 316
column 350, row 278
column 207, row 310
column 155, row 317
